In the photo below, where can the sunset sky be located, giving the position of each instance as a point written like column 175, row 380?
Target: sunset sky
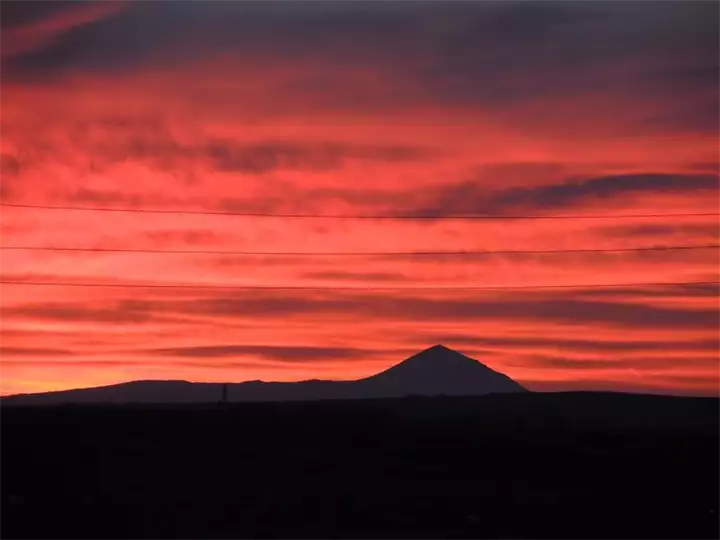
column 367, row 108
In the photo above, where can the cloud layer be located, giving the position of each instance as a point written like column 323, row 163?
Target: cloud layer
column 359, row 108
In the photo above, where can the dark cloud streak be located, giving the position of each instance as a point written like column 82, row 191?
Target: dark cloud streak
column 125, row 312
column 34, row 351
column 558, row 309
column 470, row 197
column 562, row 311
column 283, row 353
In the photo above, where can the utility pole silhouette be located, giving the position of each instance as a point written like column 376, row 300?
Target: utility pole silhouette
column 224, row 394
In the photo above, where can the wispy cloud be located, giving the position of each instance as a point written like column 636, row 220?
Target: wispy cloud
column 44, row 30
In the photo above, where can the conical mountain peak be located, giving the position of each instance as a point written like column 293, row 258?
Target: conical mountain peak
column 440, row 355
column 442, row 352
column 438, row 348
column 441, row 370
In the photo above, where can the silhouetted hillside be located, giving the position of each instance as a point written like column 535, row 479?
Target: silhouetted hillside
column 434, row 371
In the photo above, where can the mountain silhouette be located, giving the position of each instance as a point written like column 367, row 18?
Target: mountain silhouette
column 434, row 371
column 439, row 370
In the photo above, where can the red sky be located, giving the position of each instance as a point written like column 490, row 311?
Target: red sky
column 367, row 108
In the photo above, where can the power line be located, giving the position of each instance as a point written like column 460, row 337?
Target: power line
column 355, row 216
column 360, row 254
column 361, row 288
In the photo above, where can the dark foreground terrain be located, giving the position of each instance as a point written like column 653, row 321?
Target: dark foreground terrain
column 524, row 465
